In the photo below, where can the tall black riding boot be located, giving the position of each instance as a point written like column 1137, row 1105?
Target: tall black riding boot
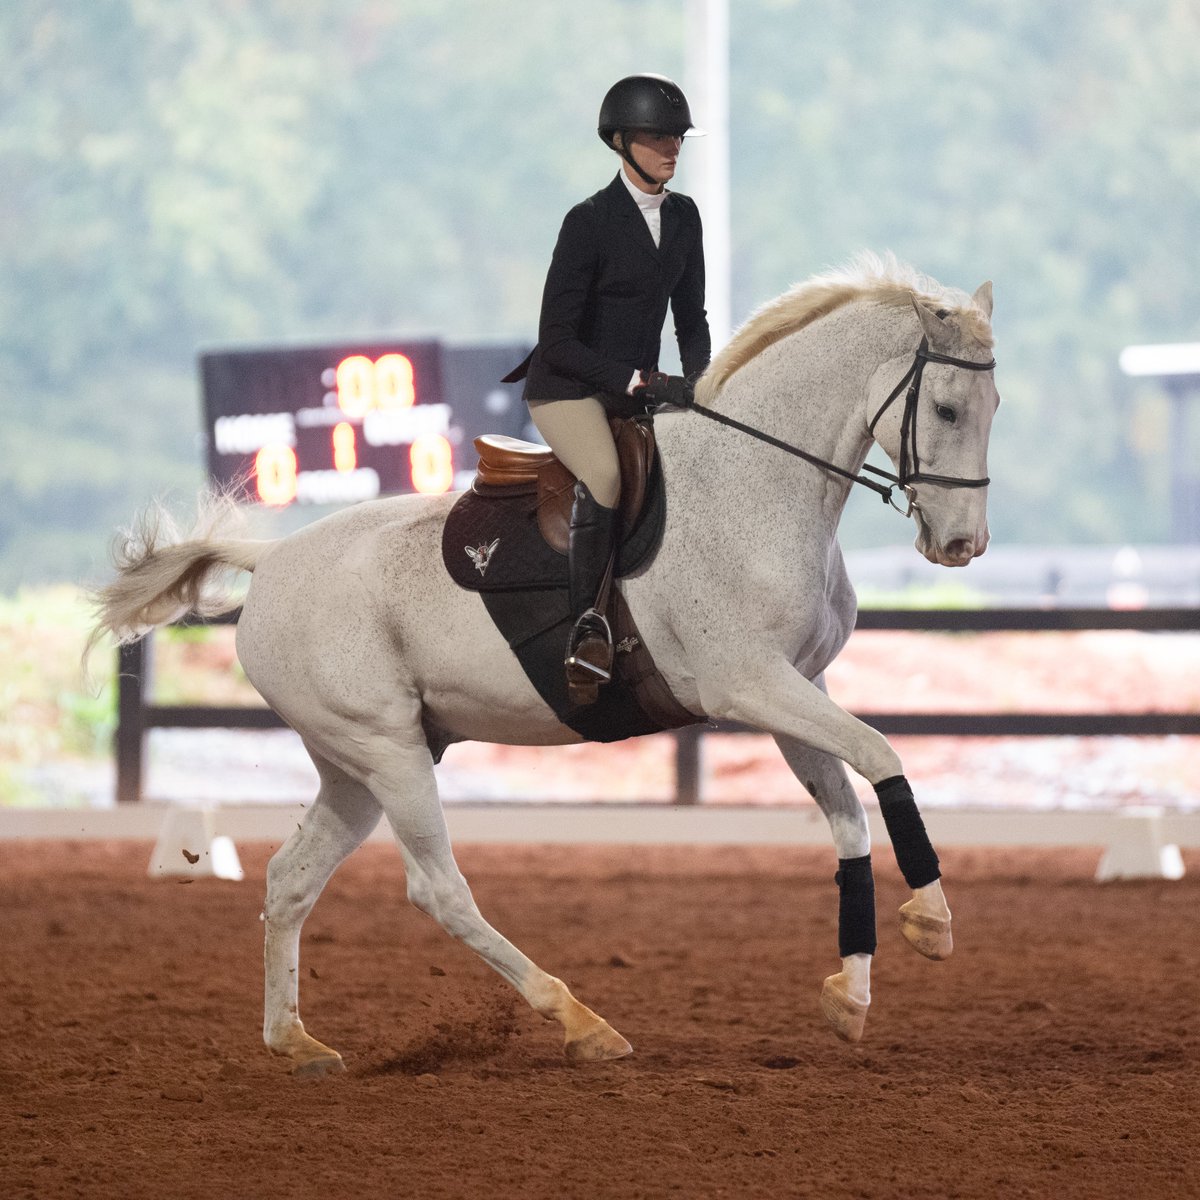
column 589, row 651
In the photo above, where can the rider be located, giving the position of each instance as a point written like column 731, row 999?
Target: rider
column 621, row 256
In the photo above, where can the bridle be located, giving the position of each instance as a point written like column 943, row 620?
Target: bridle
column 910, row 463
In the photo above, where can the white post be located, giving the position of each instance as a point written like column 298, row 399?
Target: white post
column 706, row 84
column 1138, row 850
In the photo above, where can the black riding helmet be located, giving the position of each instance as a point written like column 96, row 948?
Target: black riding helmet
column 647, row 104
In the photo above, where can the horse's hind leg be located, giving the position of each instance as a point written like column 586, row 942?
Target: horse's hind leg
column 846, row 996
column 342, row 816
column 407, row 789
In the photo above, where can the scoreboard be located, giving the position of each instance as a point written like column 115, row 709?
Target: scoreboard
column 336, row 424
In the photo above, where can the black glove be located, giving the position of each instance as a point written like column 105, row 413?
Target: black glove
column 626, row 405
column 665, row 389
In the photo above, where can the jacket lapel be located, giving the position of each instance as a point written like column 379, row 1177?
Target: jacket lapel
column 670, row 224
column 631, row 216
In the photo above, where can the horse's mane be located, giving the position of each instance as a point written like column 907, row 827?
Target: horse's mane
column 882, row 279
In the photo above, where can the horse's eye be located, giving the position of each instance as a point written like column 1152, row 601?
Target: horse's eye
column 947, row 413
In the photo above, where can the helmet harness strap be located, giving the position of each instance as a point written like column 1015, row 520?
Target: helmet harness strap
column 627, row 154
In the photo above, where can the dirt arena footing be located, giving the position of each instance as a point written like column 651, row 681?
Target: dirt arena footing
column 1056, row 1054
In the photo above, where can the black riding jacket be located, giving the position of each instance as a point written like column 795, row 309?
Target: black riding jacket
column 606, row 298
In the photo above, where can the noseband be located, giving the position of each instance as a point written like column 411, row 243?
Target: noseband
column 910, row 463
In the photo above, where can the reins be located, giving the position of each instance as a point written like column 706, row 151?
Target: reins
column 910, row 466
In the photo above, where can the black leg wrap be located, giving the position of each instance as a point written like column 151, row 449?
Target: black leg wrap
column 856, row 906
column 914, row 852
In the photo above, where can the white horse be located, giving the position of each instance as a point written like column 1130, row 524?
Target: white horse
column 354, row 633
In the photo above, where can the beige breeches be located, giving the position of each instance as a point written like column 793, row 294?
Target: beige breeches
column 578, row 432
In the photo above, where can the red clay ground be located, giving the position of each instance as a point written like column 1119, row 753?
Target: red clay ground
column 1057, row 1054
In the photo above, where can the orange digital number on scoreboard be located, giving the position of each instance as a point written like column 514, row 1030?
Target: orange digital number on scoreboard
column 432, row 461
column 384, row 383
column 275, row 471
column 345, row 448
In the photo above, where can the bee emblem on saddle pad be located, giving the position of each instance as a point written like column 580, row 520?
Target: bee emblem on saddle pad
column 481, row 555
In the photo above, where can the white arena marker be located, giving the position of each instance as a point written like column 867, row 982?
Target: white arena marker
column 1138, row 850
column 187, row 849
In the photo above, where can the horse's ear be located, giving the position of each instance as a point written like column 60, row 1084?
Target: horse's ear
column 930, row 321
column 983, row 299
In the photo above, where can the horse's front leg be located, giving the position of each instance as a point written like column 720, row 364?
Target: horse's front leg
column 772, row 695
column 846, row 996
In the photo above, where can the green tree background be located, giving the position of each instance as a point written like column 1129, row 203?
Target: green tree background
column 174, row 176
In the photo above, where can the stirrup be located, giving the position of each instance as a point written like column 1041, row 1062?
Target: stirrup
column 592, row 627
column 589, row 657
column 582, row 664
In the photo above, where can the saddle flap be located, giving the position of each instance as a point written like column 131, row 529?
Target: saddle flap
column 492, row 540
column 556, row 485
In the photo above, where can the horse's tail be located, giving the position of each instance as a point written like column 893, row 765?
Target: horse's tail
column 161, row 576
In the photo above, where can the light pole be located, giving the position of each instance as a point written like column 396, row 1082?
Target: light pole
column 1177, row 367
column 706, row 27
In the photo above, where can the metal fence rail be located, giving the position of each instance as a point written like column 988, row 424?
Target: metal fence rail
column 136, row 714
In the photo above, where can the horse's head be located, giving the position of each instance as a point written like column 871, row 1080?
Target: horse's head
column 935, row 428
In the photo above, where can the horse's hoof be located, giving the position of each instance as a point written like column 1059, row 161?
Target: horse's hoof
column 927, row 935
column 310, row 1059
column 847, row 1015
column 598, row 1045
column 319, row 1067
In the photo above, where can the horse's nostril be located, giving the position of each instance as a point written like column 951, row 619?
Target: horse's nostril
column 960, row 548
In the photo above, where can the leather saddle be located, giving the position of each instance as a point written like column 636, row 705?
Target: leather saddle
column 509, row 463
